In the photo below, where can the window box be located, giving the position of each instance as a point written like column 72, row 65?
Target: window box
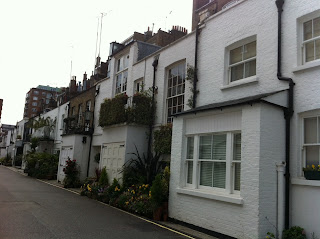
column 312, row 175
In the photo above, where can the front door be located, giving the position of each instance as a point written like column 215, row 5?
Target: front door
column 113, row 159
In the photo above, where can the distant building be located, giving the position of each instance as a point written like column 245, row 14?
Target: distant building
column 203, row 9
column 39, row 100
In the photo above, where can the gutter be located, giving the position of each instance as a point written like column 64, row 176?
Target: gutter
column 287, row 114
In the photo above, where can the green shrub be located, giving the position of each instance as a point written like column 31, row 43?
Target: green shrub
column 103, row 180
column 157, row 191
column 294, row 233
column 18, row 160
column 162, row 139
column 42, row 165
column 144, row 167
column 72, row 173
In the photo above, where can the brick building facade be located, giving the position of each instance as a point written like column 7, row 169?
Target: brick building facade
column 39, row 100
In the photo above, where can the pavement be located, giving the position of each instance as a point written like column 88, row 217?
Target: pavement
column 168, row 224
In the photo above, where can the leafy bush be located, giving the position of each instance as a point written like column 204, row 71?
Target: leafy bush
column 18, row 160
column 162, row 139
column 42, row 165
column 145, row 168
column 113, row 111
column 6, row 161
column 157, row 191
column 294, row 233
column 114, row 191
column 72, row 172
column 103, row 180
column 140, row 112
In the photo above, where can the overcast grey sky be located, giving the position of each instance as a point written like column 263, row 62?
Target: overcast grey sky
column 39, row 38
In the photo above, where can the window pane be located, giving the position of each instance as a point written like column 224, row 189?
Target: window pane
column 190, row 146
column 310, row 130
column 316, row 27
column 250, row 68
column 182, row 70
column 205, row 147
column 250, row 50
column 189, row 171
column 317, row 49
column 312, row 155
column 307, row 30
column 219, row 147
column 236, row 55
column 309, row 51
column 237, row 171
column 237, row 72
column 174, row 71
column 219, row 175
column 237, row 147
column 206, row 173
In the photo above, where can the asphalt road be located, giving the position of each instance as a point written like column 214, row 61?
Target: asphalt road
column 32, row 209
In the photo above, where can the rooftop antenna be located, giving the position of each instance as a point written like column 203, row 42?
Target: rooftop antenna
column 71, row 61
column 95, row 55
column 102, row 15
column 165, row 24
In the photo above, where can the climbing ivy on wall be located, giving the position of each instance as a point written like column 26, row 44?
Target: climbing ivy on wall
column 162, row 139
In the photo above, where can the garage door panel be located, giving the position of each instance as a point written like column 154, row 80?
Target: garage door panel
column 113, row 159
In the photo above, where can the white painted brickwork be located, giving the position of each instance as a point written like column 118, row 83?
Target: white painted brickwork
column 262, row 126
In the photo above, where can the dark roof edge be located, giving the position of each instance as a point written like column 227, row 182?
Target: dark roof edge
column 231, row 103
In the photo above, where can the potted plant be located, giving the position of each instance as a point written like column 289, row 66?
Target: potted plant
column 312, row 172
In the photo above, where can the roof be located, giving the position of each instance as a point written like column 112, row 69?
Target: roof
column 146, row 49
column 236, row 102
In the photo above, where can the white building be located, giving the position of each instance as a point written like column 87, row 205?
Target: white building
column 228, row 152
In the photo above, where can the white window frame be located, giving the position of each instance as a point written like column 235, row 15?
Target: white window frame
column 242, row 62
column 230, row 164
column 169, row 119
column 227, row 73
column 121, row 77
column 35, row 98
column 313, row 40
column 305, row 145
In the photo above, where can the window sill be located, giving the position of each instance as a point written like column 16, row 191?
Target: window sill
column 230, row 198
column 307, row 66
column 238, row 83
column 305, row 182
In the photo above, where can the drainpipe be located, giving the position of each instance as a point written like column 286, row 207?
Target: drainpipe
column 195, row 76
column 280, row 200
column 287, row 114
column 91, row 133
column 155, row 65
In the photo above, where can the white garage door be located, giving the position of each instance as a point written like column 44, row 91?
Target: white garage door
column 66, row 152
column 113, row 159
